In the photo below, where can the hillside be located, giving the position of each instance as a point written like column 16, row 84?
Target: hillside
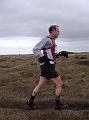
column 20, row 73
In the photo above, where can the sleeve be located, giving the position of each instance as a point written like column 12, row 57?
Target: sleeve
column 38, row 47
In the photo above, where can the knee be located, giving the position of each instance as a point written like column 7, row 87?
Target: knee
column 59, row 83
column 39, row 86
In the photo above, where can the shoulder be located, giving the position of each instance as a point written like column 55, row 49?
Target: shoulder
column 47, row 39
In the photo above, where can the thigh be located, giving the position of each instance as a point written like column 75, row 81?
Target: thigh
column 57, row 80
column 42, row 81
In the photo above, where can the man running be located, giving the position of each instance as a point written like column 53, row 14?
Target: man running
column 47, row 66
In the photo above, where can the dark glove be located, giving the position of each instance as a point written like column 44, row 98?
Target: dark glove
column 43, row 59
column 57, row 55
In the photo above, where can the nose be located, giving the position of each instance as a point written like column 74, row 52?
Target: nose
column 58, row 33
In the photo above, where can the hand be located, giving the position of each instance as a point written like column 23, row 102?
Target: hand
column 43, row 59
column 57, row 55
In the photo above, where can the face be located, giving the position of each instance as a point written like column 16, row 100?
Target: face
column 56, row 32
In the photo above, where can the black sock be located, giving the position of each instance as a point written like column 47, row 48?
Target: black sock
column 32, row 98
column 57, row 100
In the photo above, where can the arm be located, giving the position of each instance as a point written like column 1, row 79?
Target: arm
column 45, row 43
column 38, row 47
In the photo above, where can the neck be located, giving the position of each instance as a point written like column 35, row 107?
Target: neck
column 52, row 37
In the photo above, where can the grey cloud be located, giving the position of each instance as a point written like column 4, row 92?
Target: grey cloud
column 32, row 18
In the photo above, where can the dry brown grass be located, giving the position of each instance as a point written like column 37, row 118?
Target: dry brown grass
column 20, row 73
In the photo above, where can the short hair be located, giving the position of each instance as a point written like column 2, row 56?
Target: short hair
column 52, row 28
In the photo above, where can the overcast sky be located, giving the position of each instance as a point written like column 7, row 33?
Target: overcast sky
column 33, row 17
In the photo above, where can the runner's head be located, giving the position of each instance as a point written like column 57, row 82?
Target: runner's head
column 54, row 31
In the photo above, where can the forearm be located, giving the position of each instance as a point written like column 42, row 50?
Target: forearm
column 37, row 52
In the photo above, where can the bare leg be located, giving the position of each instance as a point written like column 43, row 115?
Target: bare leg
column 40, row 85
column 58, row 83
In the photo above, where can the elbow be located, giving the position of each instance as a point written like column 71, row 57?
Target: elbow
column 34, row 50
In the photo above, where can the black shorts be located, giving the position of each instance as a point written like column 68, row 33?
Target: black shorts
column 48, row 71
